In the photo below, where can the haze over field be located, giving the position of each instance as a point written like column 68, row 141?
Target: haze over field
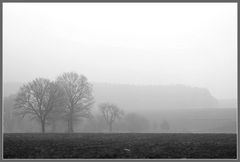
column 185, row 108
column 147, row 44
column 171, row 63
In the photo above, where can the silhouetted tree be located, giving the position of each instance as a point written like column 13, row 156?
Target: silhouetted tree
column 37, row 99
column 79, row 99
column 110, row 113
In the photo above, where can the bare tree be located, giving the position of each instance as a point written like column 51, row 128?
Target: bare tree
column 110, row 113
column 78, row 92
column 37, row 99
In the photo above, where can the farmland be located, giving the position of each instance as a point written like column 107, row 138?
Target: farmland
column 119, row 145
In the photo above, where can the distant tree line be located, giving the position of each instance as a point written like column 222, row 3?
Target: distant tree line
column 67, row 100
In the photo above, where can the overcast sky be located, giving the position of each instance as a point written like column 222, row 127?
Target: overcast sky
column 136, row 43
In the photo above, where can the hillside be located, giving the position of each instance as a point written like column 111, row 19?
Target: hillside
column 135, row 97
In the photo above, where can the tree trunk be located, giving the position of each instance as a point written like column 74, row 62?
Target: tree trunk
column 70, row 123
column 43, row 126
column 70, row 126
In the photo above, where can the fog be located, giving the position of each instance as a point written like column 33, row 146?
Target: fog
column 183, row 109
column 194, row 44
column 170, row 67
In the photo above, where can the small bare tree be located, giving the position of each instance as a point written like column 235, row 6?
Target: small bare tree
column 110, row 113
column 37, row 99
column 78, row 92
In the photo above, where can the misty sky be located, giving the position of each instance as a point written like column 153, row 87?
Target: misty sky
column 136, row 43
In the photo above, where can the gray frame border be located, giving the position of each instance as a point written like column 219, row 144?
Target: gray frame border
column 116, row 1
